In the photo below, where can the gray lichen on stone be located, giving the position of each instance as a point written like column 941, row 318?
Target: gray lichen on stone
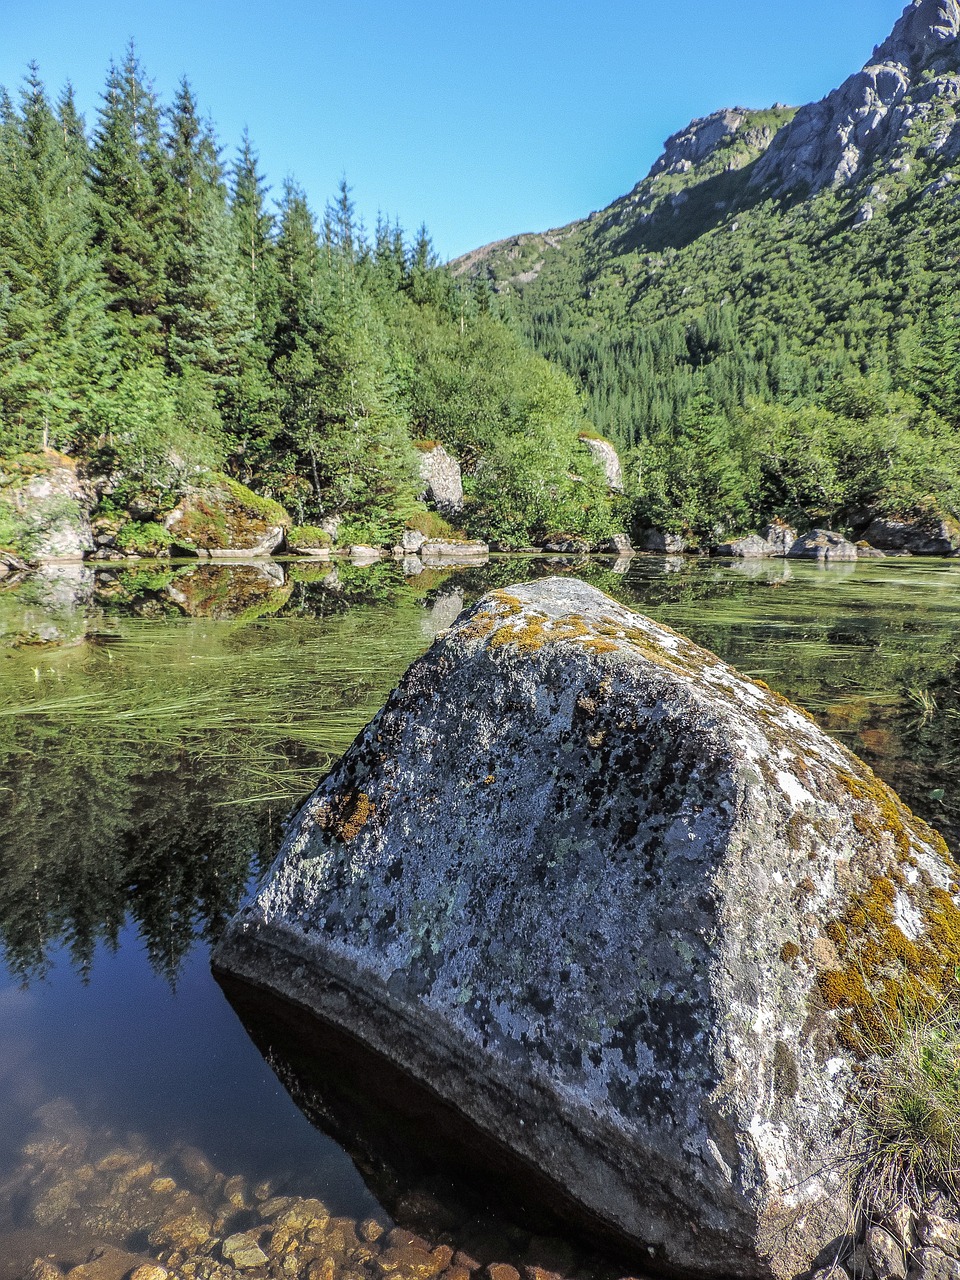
column 575, row 876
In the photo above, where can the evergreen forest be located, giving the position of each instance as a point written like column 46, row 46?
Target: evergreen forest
column 759, row 355
column 164, row 318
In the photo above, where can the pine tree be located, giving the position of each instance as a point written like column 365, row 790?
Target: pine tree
column 204, row 302
column 53, row 346
column 133, row 229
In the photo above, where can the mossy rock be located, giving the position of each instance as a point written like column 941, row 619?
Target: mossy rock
column 224, row 518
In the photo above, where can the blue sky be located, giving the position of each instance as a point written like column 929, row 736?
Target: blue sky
column 479, row 117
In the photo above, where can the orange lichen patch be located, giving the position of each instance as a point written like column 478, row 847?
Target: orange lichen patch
column 885, row 813
column 883, row 970
column 345, row 816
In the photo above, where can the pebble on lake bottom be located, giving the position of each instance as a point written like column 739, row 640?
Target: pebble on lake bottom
column 131, row 1213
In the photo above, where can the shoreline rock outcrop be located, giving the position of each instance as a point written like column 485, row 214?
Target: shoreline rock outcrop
column 442, row 479
column 604, row 896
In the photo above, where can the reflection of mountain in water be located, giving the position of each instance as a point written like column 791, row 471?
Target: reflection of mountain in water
column 147, row 771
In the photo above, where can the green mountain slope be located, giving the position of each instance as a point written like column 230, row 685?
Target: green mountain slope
column 773, row 257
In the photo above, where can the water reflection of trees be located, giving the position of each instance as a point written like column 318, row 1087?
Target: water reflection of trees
column 146, row 774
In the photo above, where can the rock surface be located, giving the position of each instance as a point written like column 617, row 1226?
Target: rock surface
column 50, row 505
column 607, row 458
column 443, row 483
column 920, row 537
column 831, row 142
column 671, row 544
column 222, row 520
column 579, row 876
column 438, row 551
column 751, row 548
column 821, row 544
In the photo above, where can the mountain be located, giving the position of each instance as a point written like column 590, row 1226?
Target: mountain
column 800, row 259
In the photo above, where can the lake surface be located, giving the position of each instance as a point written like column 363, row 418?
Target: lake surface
column 147, row 762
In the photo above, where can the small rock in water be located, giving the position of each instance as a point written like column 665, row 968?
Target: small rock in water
column 371, row 1230
column 44, row 1269
column 243, row 1251
column 235, row 1192
column 501, row 1271
column 150, row 1271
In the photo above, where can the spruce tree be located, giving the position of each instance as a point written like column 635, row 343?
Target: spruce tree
column 204, row 298
column 132, row 227
column 53, row 347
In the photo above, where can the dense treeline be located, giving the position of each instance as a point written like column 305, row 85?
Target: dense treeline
column 161, row 318
column 761, row 357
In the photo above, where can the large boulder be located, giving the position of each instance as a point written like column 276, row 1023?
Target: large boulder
column 822, row 545
column 607, row 459
column 222, row 519
column 437, row 552
column 626, row 910
column 671, row 544
column 921, row 537
column 441, row 477
column 752, row 547
column 45, row 506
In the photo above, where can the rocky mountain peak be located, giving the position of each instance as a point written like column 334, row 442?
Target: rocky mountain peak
column 692, row 145
column 913, row 76
column 923, row 35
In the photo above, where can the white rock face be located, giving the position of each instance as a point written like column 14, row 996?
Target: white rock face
column 605, row 455
column 54, row 506
column 443, row 483
column 586, row 881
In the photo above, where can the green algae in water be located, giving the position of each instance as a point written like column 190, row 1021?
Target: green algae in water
column 149, row 758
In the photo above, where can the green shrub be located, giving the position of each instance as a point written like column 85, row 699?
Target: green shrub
column 432, row 525
column 303, row 537
column 144, row 539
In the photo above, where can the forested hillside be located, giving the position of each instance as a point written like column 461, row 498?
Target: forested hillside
column 770, row 321
column 163, row 319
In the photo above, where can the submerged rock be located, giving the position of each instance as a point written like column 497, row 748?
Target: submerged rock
column 604, row 896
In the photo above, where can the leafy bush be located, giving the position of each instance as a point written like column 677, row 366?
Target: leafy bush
column 306, row 536
column 432, row 525
column 144, row 539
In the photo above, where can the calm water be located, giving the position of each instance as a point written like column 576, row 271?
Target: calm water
column 148, row 760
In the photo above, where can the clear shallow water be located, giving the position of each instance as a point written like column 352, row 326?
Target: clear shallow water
column 147, row 763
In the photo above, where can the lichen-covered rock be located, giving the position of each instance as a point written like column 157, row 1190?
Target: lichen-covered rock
column 448, row 551
column 751, row 548
column 625, row 909
column 442, row 480
column 607, row 459
column 47, row 506
column 821, row 544
column 224, row 519
column 919, row 537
